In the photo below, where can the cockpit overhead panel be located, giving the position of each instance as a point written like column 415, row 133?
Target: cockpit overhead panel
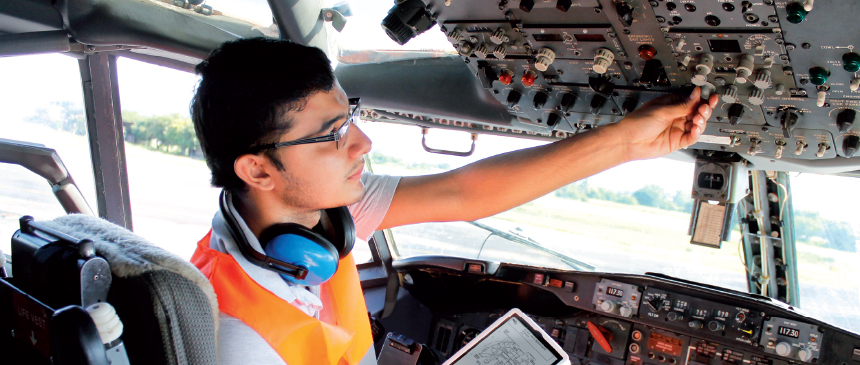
column 785, row 71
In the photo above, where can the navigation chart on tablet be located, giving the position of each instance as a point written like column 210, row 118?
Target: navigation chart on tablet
column 509, row 344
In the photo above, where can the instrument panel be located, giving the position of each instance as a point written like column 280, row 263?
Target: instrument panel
column 614, row 319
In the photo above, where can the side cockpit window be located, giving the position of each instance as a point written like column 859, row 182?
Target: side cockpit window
column 41, row 102
column 172, row 203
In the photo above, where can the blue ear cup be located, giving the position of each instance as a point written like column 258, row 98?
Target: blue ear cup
column 300, row 255
column 301, row 247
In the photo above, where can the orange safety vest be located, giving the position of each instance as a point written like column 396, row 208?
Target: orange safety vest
column 341, row 336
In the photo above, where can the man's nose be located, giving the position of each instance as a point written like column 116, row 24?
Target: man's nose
column 358, row 144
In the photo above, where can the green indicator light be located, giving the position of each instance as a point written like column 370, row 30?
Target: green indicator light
column 796, row 13
column 851, row 62
column 818, row 75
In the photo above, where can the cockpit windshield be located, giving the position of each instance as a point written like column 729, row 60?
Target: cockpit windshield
column 631, row 219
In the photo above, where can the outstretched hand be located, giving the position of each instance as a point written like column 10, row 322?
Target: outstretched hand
column 665, row 124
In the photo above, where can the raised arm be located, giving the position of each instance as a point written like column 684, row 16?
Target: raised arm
column 504, row 181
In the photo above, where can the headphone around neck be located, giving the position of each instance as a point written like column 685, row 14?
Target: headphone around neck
column 300, row 255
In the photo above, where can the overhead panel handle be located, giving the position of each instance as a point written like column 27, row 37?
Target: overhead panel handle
column 447, row 152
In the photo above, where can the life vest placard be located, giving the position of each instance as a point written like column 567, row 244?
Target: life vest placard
column 31, row 321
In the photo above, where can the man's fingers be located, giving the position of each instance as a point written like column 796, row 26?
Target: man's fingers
column 712, row 101
column 705, row 111
column 696, row 94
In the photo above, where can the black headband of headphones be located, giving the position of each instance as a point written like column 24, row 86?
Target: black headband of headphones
column 341, row 221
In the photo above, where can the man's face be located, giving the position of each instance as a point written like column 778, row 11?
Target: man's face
column 318, row 175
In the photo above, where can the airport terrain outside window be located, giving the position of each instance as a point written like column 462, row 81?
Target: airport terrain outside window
column 628, row 219
column 41, row 101
column 827, row 229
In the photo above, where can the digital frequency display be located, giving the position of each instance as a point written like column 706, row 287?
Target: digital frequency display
column 788, row 331
column 615, row 292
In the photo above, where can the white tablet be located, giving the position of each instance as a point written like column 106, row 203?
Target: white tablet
column 512, row 339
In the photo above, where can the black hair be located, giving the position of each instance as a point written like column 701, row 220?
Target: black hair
column 246, row 89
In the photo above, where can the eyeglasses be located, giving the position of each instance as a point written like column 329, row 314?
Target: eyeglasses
column 338, row 136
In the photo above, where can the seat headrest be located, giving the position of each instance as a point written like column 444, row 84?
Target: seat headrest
column 130, row 255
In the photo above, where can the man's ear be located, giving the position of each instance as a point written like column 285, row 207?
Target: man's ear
column 253, row 170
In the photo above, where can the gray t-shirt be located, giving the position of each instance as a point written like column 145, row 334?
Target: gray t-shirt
column 239, row 344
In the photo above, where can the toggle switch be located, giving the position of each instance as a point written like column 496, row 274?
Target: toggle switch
column 754, row 142
column 780, row 147
column 800, row 147
column 822, row 148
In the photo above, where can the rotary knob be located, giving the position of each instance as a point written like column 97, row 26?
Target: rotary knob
column 850, row 145
column 788, row 120
column 783, row 349
column 707, row 89
column 703, row 69
column 465, row 49
column 762, row 80
column 716, row 326
column 608, row 306
column 567, row 102
column 675, row 316
column 845, row 119
column 779, row 90
column 513, row 98
column 804, row 355
column 500, row 52
column 730, row 94
column 695, row 324
column 455, row 36
column 736, row 112
column 626, row 311
column 745, row 69
column 545, row 58
column 757, row 97
column 499, row 37
column 482, row 51
column 603, row 60
column 540, row 100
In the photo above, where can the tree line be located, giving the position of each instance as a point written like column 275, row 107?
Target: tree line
column 172, row 133
column 649, row 196
column 809, row 227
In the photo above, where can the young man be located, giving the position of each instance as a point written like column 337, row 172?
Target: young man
column 275, row 128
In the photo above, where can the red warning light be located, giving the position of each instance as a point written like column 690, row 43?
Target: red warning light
column 529, row 78
column 506, row 78
column 647, row 52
